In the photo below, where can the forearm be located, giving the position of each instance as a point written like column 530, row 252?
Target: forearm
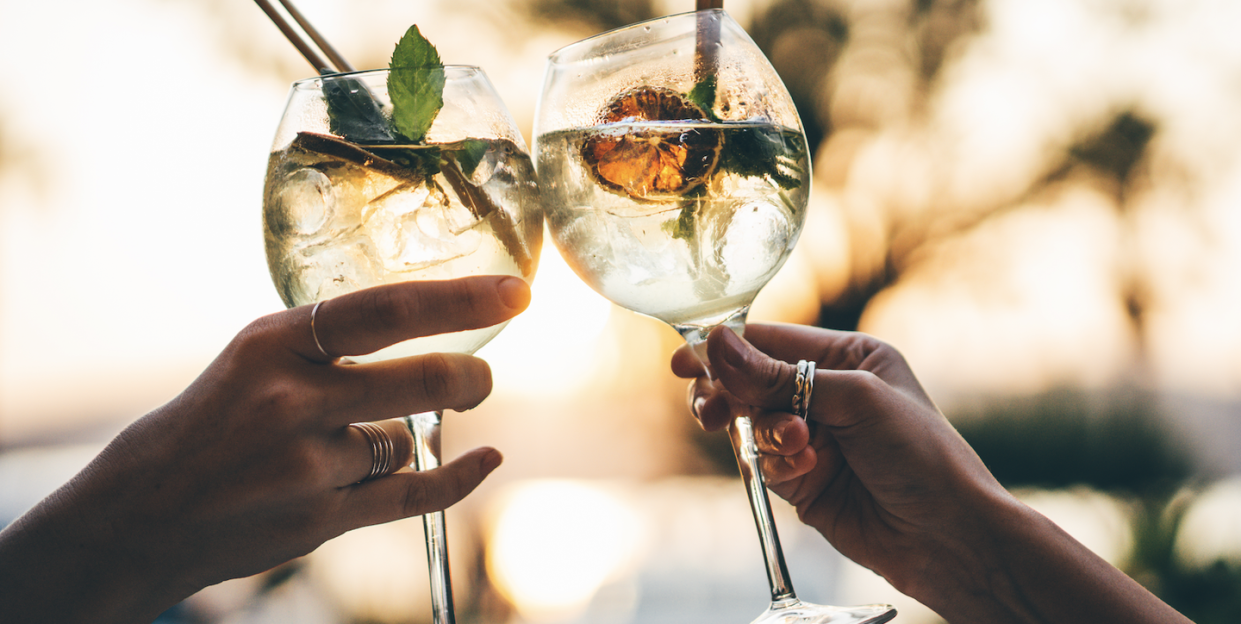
column 55, row 567
column 1025, row 569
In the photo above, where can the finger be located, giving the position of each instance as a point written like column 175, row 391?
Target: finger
column 709, row 405
column 387, row 445
column 685, row 363
column 751, row 375
column 409, row 494
column 368, row 320
column 780, row 433
column 830, row 349
column 395, row 388
column 779, row 469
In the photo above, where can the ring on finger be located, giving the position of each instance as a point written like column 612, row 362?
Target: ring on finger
column 382, row 449
column 804, row 386
column 314, row 334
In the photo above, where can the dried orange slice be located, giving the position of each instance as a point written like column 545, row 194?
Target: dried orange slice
column 652, row 161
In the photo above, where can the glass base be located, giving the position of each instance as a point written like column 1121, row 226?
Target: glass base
column 798, row 612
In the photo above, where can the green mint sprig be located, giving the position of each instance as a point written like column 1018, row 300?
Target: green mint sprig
column 396, row 143
column 415, row 86
column 750, row 152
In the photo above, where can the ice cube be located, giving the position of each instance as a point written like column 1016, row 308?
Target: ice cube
column 417, row 226
column 304, row 202
column 754, row 240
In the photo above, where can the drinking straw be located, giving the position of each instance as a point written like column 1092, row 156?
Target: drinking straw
column 315, row 49
column 707, row 44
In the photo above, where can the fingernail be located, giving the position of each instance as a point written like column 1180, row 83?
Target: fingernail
column 777, row 433
column 491, row 461
column 733, row 348
column 699, row 402
column 514, row 292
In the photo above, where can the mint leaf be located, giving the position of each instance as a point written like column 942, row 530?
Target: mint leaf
column 468, row 154
column 764, row 152
column 684, row 226
column 415, row 84
column 703, row 96
column 353, row 112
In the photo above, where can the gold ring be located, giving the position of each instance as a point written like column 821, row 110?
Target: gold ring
column 381, row 449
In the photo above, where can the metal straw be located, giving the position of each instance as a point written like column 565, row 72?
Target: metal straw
column 321, row 55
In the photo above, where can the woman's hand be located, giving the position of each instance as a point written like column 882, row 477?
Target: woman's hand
column 254, row 464
column 876, row 468
column 880, row 472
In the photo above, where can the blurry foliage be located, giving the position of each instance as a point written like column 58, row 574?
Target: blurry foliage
column 1114, row 152
column 1115, row 443
column 1208, row 595
column 804, row 40
column 596, row 15
column 1110, row 156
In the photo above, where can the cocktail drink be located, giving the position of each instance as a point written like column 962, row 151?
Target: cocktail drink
column 675, row 174
column 692, row 252
column 339, row 216
column 361, row 191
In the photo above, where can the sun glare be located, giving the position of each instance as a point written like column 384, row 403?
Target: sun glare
column 550, row 349
column 554, row 543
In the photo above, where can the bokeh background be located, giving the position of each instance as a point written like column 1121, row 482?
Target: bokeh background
column 1039, row 203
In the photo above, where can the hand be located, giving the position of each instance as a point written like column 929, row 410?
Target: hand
column 877, row 469
column 880, row 472
column 254, row 463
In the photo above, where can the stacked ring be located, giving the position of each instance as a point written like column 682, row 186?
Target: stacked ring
column 805, row 385
column 381, row 449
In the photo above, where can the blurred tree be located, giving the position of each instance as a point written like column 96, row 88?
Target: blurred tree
column 597, row 15
column 804, row 40
column 1115, row 443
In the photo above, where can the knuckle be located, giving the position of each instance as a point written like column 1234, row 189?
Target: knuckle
column 392, row 311
column 439, row 377
column 282, row 400
column 861, row 387
column 417, row 500
column 454, row 381
column 475, row 302
column 253, row 339
column 304, row 464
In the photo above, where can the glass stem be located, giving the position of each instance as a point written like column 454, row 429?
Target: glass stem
column 744, row 447
column 426, row 430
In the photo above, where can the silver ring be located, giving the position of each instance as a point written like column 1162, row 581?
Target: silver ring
column 382, row 449
column 314, row 334
column 805, row 385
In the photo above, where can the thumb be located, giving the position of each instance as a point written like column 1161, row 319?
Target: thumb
column 750, row 374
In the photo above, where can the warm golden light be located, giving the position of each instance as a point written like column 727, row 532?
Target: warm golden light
column 554, row 543
column 552, row 349
column 1211, row 528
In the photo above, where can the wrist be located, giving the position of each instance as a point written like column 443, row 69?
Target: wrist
column 1015, row 565
column 68, row 560
column 967, row 573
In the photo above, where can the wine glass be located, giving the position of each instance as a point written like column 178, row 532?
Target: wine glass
column 675, row 174
column 341, row 213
